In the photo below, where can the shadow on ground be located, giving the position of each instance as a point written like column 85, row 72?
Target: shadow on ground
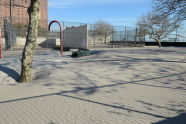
column 10, row 72
column 90, row 90
column 152, row 106
column 180, row 119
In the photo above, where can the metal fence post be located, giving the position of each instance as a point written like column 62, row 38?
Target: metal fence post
column 1, row 46
column 176, row 34
column 63, row 32
column 125, row 33
column 94, row 28
column 136, row 36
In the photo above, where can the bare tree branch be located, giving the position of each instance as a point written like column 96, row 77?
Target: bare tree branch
column 173, row 8
column 156, row 26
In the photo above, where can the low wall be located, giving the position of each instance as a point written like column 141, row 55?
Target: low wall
column 21, row 40
column 43, row 41
column 176, row 44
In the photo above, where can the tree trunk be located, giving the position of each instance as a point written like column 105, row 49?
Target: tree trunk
column 27, row 55
column 158, row 40
column 159, row 43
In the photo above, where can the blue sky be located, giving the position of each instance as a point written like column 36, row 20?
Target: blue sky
column 115, row 12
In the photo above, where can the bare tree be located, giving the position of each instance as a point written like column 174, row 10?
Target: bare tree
column 173, row 8
column 103, row 28
column 156, row 26
column 27, row 56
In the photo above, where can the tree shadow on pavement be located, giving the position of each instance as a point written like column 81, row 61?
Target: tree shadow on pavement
column 113, row 106
column 93, row 89
column 151, row 105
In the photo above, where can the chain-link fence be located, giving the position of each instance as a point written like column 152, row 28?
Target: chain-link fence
column 10, row 35
column 114, row 36
column 81, row 35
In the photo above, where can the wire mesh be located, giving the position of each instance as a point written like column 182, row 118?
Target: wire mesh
column 94, row 34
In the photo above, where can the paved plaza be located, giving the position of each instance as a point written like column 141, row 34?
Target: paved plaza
column 115, row 86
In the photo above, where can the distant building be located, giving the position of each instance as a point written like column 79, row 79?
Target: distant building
column 19, row 14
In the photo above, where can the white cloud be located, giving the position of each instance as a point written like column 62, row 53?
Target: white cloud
column 72, row 3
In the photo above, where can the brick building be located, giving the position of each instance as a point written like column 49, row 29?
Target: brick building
column 19, row 13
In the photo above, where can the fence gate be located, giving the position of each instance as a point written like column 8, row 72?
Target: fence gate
column 9, row 34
